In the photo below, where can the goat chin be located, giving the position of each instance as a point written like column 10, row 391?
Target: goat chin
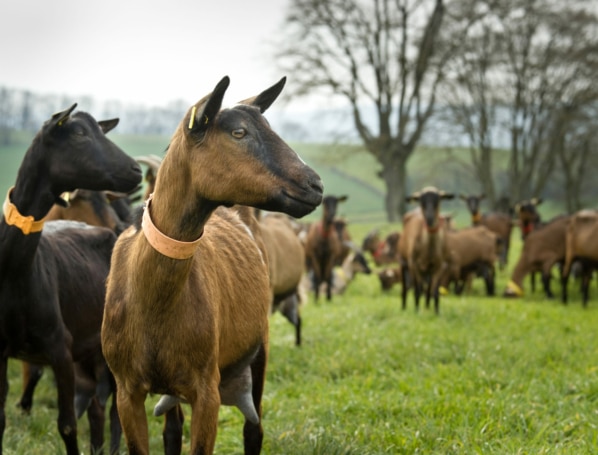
column 237, row 392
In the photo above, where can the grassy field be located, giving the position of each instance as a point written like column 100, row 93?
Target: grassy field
column 488, row 375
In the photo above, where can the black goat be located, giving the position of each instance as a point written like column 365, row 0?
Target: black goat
column 52, row 284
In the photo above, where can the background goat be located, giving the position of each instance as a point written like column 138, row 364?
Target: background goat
column 472, row 251
column 581, row 245
column 52, row 282
column 286, row 261
column 189, row 317
column 422, row 246
column 324, row 247
column 544, row 247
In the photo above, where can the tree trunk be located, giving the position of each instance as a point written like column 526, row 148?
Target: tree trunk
column 394, row 176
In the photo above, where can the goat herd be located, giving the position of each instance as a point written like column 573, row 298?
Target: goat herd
column 173, row 297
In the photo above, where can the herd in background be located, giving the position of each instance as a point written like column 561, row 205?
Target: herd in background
column 430, row 255
column 71, row 226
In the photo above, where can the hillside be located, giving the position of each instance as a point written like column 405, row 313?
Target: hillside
column 345, row 169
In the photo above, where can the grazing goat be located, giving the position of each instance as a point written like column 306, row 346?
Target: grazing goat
column 52, row 275
column 498, row 222
column 543, row 248
column 389, row 277
column 286, row 261
column 581, row 245
column 383, row 251
column 188, row 295
column 471, row 251
column 324, row 247
column 422, row 246
column 343, row 274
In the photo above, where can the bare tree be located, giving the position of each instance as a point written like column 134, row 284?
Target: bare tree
column 545, row 48
column 526, row 72
column 383, row 58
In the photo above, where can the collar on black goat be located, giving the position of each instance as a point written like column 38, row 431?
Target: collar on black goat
column 163, row 244
column 13, row 217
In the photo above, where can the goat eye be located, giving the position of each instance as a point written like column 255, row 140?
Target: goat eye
column 239, row 133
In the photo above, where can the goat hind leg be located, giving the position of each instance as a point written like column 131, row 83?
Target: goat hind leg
column 64, row 374
column 172, row 434
column 253, row 434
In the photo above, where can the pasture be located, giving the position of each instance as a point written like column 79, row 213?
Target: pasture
column 488, row 375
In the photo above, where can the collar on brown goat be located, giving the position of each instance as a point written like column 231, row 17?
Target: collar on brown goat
column 163, row 244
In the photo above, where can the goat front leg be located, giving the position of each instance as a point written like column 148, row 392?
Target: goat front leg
column 204, row 415
column 131, row 409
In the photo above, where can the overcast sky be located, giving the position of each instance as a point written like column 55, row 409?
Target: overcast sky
column 144, row 52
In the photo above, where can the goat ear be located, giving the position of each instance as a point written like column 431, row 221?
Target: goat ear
column 342, row 198
column 203, row 114
column 265, row 99
column 444, row 195
column 536, row 200
column 108, row 125
column 59, row 118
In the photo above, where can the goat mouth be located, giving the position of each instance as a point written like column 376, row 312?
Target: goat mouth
column 301, row 206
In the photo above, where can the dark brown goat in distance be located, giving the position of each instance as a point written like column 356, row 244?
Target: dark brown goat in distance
column 324, row 246
column 422, row 246
column 543, row 248
column 189, row 317
column 498, row 222
column 52, row 274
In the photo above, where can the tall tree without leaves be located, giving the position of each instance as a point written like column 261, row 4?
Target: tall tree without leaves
column 380, row 54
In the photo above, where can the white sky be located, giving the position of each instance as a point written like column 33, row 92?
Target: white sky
column 144, row 52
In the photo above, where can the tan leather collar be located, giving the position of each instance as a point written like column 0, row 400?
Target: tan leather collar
column 163, row 244
column 13, row 217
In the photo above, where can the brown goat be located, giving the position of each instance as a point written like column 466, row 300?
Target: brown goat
column 543, row 248
column 498, row 222
column 286, row 261
column 189, row 317
column 471, row 251
column 324, row 247
column 422, row 246
column 581, row 245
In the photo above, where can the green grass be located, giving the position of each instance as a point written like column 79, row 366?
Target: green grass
column 488, row 375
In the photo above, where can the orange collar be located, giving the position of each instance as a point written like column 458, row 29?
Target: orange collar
column 163, row 244
column 476, row 218
column 13, row 217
